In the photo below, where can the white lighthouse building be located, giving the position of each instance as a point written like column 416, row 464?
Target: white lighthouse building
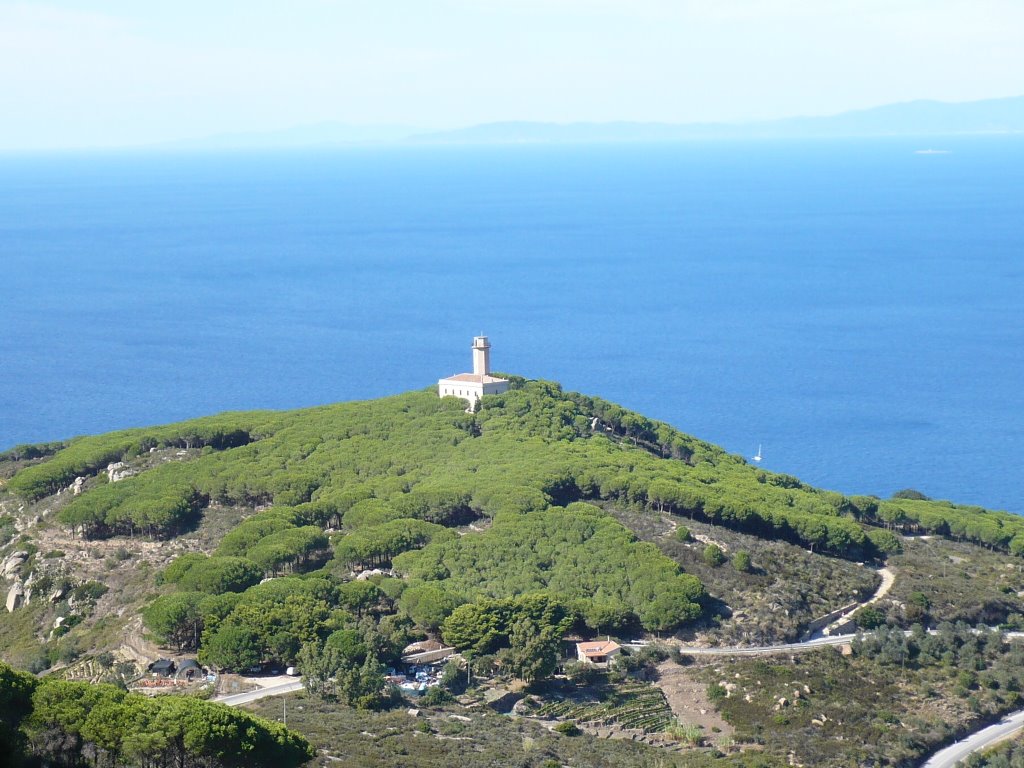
column 472, row 386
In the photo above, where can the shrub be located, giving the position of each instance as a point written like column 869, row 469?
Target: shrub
column 741, row 562
column 436, row 696
column 683, row 533
column 568, row 728
column 690, row 734
column 911, row 494
column 869, row 617
column 680, row 658
column 89, row 591
column 886, row 542
column 713, row 555
column 582, row 673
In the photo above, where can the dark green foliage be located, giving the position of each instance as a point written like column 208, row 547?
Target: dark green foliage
column 910, row 493
column 359, row 597
column 329, row 673
column 151, row 504
column 579, row 554
column 428, row 603
column 713, row 555
column 349, row 643
column 741, row 562
column 212, row 575
column 89, row 591
column 884, row 541
column 582, row 673
column 424, row 458
column 487, row 625
column 377, row 544
column 250, row 532
column 869, row 617
column 231, row 647
column 66, row 723
column 289, row 548
column 568, row 728
column 273, row 621
column 176, row 619
column 442, row 506
column 533, row 649
column 15, row 705
column 87, row 455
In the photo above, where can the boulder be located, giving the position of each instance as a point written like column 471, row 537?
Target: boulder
column 15, row 597
column 501, row 700
column 78, row 486
column 118, row 471
column 13, row 562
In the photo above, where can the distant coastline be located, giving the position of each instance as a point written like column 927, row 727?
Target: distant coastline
column 922, row 118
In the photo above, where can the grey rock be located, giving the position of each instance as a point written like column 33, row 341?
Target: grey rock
column 13, row 562
column 15, row 597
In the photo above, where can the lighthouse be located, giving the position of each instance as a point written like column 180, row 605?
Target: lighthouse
column 481, row 356
column 472, row 386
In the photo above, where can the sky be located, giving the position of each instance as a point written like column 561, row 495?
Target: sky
column 125, row 73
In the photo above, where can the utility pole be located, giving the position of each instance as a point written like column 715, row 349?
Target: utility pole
column 285, row 700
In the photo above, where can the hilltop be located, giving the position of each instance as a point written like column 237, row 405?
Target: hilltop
column 246, row 538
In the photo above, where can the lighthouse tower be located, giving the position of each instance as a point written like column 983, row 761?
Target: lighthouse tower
column 472, row 386
column 481, row 356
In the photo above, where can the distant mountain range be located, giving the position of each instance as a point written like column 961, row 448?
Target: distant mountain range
column 914, row 118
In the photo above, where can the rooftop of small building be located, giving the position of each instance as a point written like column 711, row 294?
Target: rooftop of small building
column 474, row 378
column 597, row 647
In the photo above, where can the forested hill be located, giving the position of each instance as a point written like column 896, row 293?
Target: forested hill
column 424, row 458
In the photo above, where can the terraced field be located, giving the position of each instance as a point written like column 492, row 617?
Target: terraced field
column 633, row 706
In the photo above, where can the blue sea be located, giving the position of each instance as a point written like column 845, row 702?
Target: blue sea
column 854, row 307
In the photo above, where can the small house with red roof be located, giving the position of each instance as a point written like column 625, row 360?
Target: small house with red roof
column 600, row 653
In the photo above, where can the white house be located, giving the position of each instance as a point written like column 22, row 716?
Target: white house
column 472, row 386
column 598, row 652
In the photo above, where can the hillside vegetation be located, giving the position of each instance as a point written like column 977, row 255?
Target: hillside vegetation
column 332, row 537
column 466, row 508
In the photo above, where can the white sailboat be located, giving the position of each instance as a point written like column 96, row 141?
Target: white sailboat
column 758, row 456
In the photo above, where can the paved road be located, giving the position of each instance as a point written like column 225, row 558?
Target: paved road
column 951, row 755
column 754, row 650
column 274, row 690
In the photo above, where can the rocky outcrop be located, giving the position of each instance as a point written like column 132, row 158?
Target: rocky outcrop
column 15, row 597
column 118, row 471
column 14, row 562
column 78, row 486
column 501, row 700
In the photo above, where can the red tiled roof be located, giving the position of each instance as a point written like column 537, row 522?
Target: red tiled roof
column 598, row 648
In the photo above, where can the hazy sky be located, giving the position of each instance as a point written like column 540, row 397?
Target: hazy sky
column 133, row 71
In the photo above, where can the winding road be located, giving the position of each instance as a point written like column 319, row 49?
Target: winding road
column 954, row 753
column 272, row 690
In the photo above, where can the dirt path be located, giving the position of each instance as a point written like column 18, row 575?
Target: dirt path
column 689, row 701
column 888, row 579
